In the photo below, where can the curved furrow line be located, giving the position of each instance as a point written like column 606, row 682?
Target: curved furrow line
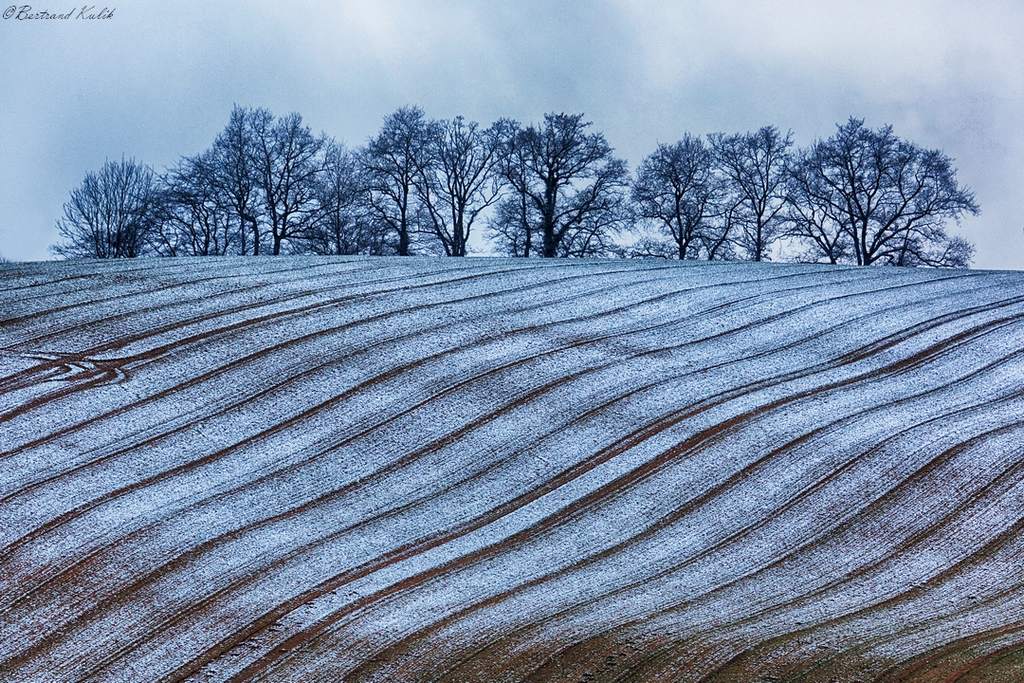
column 188, row 422
column 1005, row 602
column 562, row 516
column 991, row 660
column 848, row 523
column 109, row 268
column 236, row 364
column 24, row 379
column 292, row 645
column 391, row 373
column 936, row 660
column 295, row 419
column 462, row 383
column 365, row 479
column 96, row 349
column 158, row 351
column 258, row 320
column 223, row 295
column 718, row 491
column 1012, row 472
column 577, row 343
column 734, row 537
column 675, row 653
column 435, row 504
column 232, row 365
column 1013, row 476
column 244, row 324
column 1005, row 599
column 242, row 273
column 478, row 667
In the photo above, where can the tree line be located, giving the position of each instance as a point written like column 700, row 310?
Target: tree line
column 270, row 185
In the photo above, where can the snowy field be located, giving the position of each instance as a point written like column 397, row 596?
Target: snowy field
column 312, row 469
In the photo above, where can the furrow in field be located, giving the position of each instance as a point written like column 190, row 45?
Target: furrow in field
column 416, row 469
column 564, row 515
column 626, row 544
column 806, row 441
column 248, row 323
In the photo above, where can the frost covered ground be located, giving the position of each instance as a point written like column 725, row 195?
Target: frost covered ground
column 355, row 469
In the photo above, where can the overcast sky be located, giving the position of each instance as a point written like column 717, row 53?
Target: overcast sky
column 158, row 79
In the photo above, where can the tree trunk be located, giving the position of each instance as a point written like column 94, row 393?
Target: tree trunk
column 528, row 242
column 458, row 240
column 550, row 248
column 550, row 240
column 403, row 237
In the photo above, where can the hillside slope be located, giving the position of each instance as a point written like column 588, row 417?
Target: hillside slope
column 505, row 470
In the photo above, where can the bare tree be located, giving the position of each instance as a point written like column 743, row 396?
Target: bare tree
column 456, row 179
column 571, row 180
column 195, row 219
column 755, row 166
column 891, row 197
column 512, row 225
column 554, row 189
column 814, row 208
column 717, row 235
column 343, row 225
column 289, row 163
column 390, row 161
column 236, row 176
column 675, row 188
column 111, row 214
column 515, row 219
column 946, row 252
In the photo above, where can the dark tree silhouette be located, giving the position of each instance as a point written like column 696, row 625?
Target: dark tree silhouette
column 814, row 208
column 236, row 177
column 512, row 225
column 755, row 168
column 570, row 179
column 717, row 236
column 456, row 179
column 676, row 189
column 111, row 214
column 554, row 189
column 515, row 218
column 195, row 219
column 343, row 225
column 390, row 161
column 289, row 163
column 890, row 197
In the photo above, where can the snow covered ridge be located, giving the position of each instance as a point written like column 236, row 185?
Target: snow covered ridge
column 501, row 470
